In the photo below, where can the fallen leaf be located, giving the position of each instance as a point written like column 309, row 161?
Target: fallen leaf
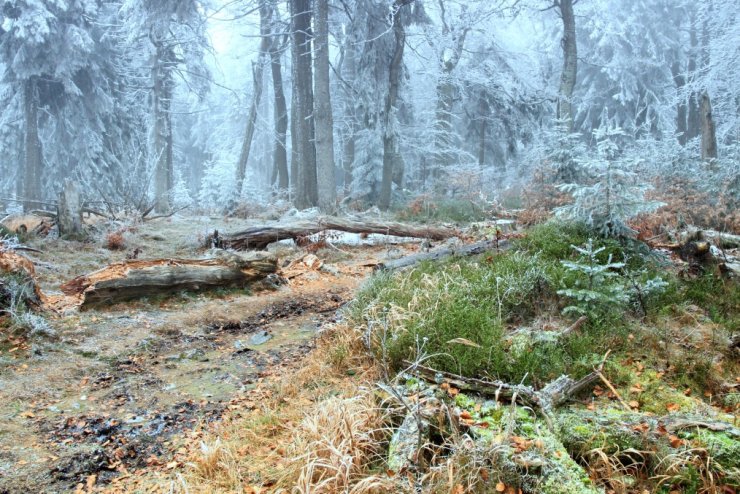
column 675, row 441
column 465, row 415
column 673, row 407
column 484, row 475
column 634, row 404
column 687, row 392
column 500, row 487
column 459, row 489
column 28, row 415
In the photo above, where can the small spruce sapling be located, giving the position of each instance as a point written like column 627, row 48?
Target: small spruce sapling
column 597, row 284
column 613, row 195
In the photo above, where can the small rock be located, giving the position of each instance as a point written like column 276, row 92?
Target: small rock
column 331, row 269
column 260, row 338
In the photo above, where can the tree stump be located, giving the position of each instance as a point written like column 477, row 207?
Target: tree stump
column 69, row 212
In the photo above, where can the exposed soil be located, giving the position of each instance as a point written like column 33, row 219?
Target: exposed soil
column 118, row 387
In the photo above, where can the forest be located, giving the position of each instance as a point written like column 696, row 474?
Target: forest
column 370, row 246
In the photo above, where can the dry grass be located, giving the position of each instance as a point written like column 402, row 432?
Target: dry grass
column 316, row 429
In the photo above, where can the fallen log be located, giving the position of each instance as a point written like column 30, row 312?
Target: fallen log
column 260, row 237
column 141, row 278
column 437, row 254
column 551, row 396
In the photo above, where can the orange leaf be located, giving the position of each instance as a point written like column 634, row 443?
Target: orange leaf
column 484, row 475
column 500, row 487
column 675, row 441
column 459, row 489
column 634, row 404
column 465, row 415
column 673, row 407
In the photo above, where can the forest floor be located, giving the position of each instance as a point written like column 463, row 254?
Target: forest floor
column 308, row 386
column 121, row 388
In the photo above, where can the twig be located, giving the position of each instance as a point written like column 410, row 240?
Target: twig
column 608, row 384
column 144, row 218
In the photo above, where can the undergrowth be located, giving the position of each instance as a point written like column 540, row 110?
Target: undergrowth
column 424, row 209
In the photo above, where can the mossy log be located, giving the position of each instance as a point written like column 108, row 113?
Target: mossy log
column 259, row 237
column 632, row 437
column 141, row 278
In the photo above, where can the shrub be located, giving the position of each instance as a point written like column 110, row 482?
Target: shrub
column 115, row 241
column 454, row 314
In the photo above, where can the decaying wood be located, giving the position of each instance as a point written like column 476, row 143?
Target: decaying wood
column 437, row 254
column 260, row 237
column 551, row 396
column 14, row 264
column 141, row 278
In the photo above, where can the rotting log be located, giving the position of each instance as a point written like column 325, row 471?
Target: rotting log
column 259, row 237
column 144, row 278
column 14, row 265
column 437, row 254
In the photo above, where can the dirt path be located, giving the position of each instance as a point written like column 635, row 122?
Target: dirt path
column 118, row 387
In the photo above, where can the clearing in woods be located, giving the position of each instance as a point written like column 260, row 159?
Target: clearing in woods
column 117, row 387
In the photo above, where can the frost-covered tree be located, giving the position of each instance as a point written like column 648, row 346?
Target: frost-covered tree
column 610, row 192
column 170, row 35
column 58, row 86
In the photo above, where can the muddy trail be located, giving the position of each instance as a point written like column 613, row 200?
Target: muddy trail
column 119, row 388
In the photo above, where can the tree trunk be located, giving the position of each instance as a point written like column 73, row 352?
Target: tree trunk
column 69, row 211
column 694, row 118
column 570, row 64
column 391, row 154
column 34, row 159
column 162, row 144
column 257, row 76
column 304, row 154
column 327, row 188
column 679, row 78
column 260, row 237
column 708, row 136
column 134, row 279
column 348, row 150
column 280, row 155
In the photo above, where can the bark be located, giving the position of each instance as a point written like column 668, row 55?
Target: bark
column 679, row 78
column 280, row 155
column 33, row 166
column 261, row 236
column 708, row 135
column 570, row 64
column 257, row 80
column 437, row 254
column 556, row 393
column 327, row 189
column 693, row 119
column 162, row 144
column 449, row 58
column 304, row 154
column 348, row 150
column 69, row 211
column 134, row 279
column 391, row 155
